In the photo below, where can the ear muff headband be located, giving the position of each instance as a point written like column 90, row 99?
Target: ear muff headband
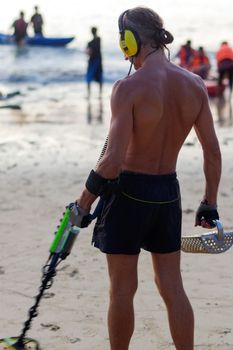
column 130, row 42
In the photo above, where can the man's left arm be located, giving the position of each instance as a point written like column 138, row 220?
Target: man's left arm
column 205, row 131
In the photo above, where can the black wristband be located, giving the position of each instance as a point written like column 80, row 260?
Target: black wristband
column 212, row 206
column 95, row 183
column 99, row 186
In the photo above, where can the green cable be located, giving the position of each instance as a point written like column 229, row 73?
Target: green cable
column 149, row 202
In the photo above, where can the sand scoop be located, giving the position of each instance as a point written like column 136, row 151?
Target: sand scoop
column 214, row 242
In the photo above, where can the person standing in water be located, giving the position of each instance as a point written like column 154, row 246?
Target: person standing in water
column 94, row 69
column 224, row 57
column 153, row 111
column 20, row 30
column 37, row 22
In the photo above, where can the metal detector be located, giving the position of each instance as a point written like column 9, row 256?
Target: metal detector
column 60, row 248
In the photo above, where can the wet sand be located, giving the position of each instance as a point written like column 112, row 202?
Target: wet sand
column 47, row 149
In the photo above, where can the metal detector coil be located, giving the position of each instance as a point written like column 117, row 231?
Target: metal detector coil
column 210, row 243
column 12, row 344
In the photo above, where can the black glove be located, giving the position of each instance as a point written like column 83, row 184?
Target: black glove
column 206, row 212
column 78, row 216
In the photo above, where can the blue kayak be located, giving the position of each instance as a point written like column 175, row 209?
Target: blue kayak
column 37, row 40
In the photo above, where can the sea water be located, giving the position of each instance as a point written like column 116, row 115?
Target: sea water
column 51, row 81
column 205, row 22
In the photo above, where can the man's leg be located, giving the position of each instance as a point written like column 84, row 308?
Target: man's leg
column 88, row 89
column 100, row 88
column 123, row 285
column 230, row 79
column 180, row 314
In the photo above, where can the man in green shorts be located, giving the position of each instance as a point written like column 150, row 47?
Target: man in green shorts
column 153, row 111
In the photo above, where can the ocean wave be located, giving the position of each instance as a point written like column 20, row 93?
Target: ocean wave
column 49, row 65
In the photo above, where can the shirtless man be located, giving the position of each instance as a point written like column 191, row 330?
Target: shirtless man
column 153, row 111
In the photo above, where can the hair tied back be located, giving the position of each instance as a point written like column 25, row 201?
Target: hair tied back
column 165, row 37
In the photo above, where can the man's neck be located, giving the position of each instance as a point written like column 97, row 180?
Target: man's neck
column 153, row 55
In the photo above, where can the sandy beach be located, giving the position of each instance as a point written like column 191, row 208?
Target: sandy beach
column 47, row 149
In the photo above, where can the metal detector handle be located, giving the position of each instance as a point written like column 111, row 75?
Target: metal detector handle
column 64, row 237
column 219, row 229
column 54, row 248
column 67, row 233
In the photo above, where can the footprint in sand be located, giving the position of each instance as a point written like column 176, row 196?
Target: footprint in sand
column 48, row 295
column 51, row 326
column 74, row 340
column 73, row 273
column 2, row 271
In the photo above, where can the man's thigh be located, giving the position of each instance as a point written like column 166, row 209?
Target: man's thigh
column 167, row 268
column 122, row 270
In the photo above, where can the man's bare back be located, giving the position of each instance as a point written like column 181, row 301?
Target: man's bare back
column 166, row 101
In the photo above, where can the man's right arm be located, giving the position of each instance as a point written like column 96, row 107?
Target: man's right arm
column 205, row 131
column 120, row 132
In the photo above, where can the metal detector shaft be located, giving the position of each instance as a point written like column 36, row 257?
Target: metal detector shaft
column 48, row 274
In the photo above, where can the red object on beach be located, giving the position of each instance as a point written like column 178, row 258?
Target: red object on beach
column 213, row 88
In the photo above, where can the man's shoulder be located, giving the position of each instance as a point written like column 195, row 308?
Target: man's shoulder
column 183, row 75
column 124, row 88
column 124, row 84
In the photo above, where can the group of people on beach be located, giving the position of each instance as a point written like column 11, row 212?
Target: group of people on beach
column 194, row 60
column 93, row 49
column 20, row 26
column 198, row 62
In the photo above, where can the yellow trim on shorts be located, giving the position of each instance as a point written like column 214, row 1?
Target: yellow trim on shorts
column 149, row 202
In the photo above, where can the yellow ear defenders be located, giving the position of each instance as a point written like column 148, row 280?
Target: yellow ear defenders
column 130, row 42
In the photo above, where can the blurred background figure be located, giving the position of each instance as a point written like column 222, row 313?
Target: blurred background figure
column 20, row 29
column 186, row 54
column 224, row 58
column 37, row 22
column 95, row 111
column 94, row 69
column 200, row 63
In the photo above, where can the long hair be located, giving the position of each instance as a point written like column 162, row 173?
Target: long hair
column 149, row 26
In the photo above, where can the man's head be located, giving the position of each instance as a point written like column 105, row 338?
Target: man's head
column 201, row 51
column 36, row 9
column 141, row 26
column 21, row 14
column 94, row 30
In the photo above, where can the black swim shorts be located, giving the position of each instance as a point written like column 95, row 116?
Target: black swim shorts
column 146, row 213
